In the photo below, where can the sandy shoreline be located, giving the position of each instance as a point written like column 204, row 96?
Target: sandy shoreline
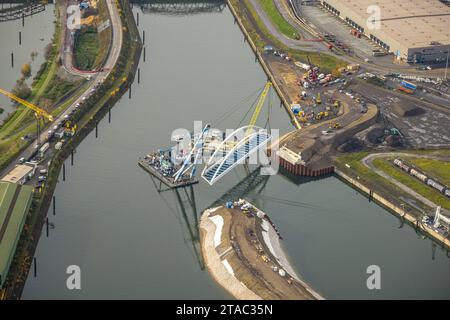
column 215, row 266
column 249, row 263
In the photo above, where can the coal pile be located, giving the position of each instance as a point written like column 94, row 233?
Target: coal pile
column 352, row 145
column 376, row 135
column 407, row 110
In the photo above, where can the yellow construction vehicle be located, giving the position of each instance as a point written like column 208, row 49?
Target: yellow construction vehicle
column 319, row 99
column 70, row 130
column 337, row 103
column 335, row 125
column 38, row 112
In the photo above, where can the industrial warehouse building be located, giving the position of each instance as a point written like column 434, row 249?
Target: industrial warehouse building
column 416, row 31
column 15, row 202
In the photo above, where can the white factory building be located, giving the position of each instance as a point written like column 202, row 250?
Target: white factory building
column 416, row 31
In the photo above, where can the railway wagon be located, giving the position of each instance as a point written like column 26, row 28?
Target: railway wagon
column 447, row 192
column 436, row 185
column 419, row 175
column 399, row 163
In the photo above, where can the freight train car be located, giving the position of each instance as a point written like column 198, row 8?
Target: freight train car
column 436, row 185
column 419, row 175
column 399, row 163
column 445, row 190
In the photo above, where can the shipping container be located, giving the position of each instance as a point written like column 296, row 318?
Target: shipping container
column 409, row 91
column 408, row 85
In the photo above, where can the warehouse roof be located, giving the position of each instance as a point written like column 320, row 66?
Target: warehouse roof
column 18, row 173
column 413, row 23
column 15, row 202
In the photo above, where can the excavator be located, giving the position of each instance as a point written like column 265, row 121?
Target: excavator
column 38, row 112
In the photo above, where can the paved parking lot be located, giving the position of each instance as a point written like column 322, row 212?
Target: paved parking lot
column 331, row 24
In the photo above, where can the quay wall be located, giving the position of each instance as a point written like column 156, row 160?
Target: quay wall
column 392, row 207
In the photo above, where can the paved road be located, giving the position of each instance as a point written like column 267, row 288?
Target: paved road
column 98, row 78
column 367, row 161
column 291, row 43
column 68, row 43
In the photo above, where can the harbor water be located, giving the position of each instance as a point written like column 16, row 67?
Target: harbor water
column 36, row 34
column 132, row 240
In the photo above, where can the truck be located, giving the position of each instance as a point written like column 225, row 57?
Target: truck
column 43, row 149
column 58, row 145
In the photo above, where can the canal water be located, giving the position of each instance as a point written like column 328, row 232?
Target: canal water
column 37, row 33
column 131, row 240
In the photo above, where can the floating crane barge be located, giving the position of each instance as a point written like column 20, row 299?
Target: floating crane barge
column 160, row 168
column 176, row 166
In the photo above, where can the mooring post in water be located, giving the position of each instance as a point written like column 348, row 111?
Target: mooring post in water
column 35, row 267
column 96, row 130
column 433, row 251
column 144, row 54
column 12, row 59
column 64, row 172
column 71, row 158
column 143, row 37
column 137, row 19
column 245, row 38
column 46, row 226
column 139, row 75
column 109, row 115
column 23, row 19
column 129, row 92
column 54, row 205
column 20, row 37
